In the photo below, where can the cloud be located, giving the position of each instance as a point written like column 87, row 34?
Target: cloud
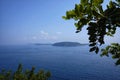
column 46, row 36
column 34, row 37
column 43, row 33
column 43, row 36
column 54, row 37
column 58, row 33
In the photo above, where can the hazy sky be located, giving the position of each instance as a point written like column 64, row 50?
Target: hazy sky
column 39, row 21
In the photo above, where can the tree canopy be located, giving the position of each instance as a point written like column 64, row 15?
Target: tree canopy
column 100, row 22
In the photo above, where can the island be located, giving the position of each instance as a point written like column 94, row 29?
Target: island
column 67, row 44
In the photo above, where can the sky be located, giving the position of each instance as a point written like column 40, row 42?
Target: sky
column 40, row 21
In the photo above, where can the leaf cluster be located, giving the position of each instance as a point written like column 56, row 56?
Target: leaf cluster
column 100, row 22
column 114, row 50
column 86, row 11
column 19, row 74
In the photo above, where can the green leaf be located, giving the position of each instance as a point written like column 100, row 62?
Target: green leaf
column 96, row 14
column 92, row 44
column 118, row 62
column 88, row 9
column 100, row 9
column 48, row 74
column 70, row 14
column 97, row 2
column 92, row 49
column 78, row 9
column 104, row 53
column 84, row 2
column 97, row 50
column 107, row 48
column 64, row 17
column 111, row 4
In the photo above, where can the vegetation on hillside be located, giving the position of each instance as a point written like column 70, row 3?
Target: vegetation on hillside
column 19, row 74
column 67, row 44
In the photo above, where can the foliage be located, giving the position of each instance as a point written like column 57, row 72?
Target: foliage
column 114, row 50
column 100, row 22
column 19, row 74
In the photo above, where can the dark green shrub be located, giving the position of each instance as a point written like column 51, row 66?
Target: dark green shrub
column 19, row 74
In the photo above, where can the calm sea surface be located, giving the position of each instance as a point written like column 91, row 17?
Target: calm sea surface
column 65, row 63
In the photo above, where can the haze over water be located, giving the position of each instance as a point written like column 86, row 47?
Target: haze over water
column 65, row 63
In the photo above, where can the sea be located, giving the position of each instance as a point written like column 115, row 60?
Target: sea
column 64, row 63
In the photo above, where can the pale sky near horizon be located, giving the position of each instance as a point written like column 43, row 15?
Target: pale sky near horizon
column 40, row 21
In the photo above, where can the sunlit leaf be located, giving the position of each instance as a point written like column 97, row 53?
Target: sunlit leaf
column 97, row 2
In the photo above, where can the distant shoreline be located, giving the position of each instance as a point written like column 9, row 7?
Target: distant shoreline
column 67, row 44
column 42, row 44
column 62, row 44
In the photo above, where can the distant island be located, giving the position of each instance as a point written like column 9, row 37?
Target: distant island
column 62, row 44
column 67, row 44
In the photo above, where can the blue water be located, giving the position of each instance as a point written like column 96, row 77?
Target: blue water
column 65, row 63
